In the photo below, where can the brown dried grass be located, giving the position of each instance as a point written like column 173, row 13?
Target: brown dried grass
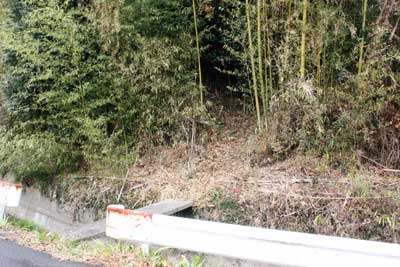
column 233, row 179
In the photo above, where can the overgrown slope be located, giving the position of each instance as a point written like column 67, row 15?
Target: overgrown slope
column 90, row 88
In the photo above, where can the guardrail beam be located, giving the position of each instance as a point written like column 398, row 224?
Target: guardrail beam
column 279, row 248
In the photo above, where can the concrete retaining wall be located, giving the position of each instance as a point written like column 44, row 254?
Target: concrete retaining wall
column 48, row 214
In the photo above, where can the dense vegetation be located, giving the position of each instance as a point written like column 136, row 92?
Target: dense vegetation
column 89, row 84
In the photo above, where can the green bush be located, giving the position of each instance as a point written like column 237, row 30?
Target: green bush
column 74, row 84
column 35, row 157
column 149, row 42
column 57, row 80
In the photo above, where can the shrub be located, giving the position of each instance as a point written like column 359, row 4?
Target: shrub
column 99, row 95
column 35, row 157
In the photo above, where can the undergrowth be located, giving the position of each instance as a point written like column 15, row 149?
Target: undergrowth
column 359, row 213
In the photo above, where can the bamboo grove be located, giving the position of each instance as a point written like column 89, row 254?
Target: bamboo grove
column 322, row 74
column 306, row 66
column 88, row 80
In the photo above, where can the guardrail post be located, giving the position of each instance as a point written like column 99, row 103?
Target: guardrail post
column 119, row 223
column 2, row 211
column 145, row 249
column 10, row 196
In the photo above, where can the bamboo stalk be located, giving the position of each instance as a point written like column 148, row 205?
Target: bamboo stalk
column 324, row 68
column 265, row 54
column 362, row 43
column 268, row 54
column 286, row 53
column 253, row 66
column 318, row 61
column 198, row 51
column 303, row 41
column 248, row 81
column 264, row 92
column 320, row 42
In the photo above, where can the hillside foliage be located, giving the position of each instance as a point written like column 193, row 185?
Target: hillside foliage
column 90, row 84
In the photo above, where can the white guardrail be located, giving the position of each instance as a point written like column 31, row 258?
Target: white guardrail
column 10, row 195
column 278, row 248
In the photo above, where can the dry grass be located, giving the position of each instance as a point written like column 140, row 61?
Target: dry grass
column 97, row 254
column 233, row 179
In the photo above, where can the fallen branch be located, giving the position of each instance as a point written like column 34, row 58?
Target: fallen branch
column 322, row 197
column 360, row 154
column 384, row 168
column 109, row 178
column 391, row 170
column 394, row 30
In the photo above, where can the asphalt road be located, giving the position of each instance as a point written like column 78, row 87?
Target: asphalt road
column 13, row 255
